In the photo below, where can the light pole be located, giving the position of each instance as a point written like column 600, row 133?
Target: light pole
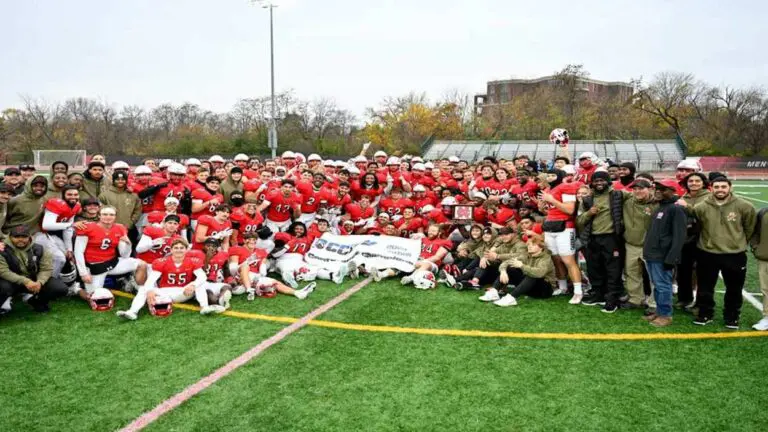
column 272, row 138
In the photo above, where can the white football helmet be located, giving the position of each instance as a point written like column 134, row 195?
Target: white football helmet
column 689, row 164
column 102, row 300
column 559, row 137
column 423, row 279
column 163, row 306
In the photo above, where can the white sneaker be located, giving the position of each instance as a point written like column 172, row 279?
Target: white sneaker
column 576, row 299
column 674, row 288
column 238, row 290
column 73, row 289
column 559, row 292
column 491, row 295
column 251, row 295
column 449, row 279
column 225, row 298
column 354, row 272
column 506, row 301
column 406, row 280
column 290, row 280
column 127, row 315
column 212, row 309
column 761, row 325
column 305, row 292
column 338, row 277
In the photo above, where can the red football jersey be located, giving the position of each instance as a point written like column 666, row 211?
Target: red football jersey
column 281, row 207
column 333, row 200
column 565, row 193
column 214, row 268
column 177, row 276
column 148, row 203
column 255, row 258
column 416, row 224
column 486, row 186
column 203, row 195
column 157, row 217
column 244, row 222
column 157, row 251
column 584, row 175
column 526, row 193
column 310, row 196
column 357, row 213
column 359, row 190
column 393, row 207
column 62, row 209
column 102, row 242
column 414, row 178
column 214, row 227
column 429, row 248
column 503, row 215
column 172, row 190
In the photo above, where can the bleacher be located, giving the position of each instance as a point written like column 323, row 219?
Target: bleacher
column 648, row 155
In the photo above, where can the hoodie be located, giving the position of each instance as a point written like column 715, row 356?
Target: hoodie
column 726, row 228
column 536, row 267
column 623, row 182
column 3, row 213
column 44, row 267
column 93, row 188
column 126, row 203
column 228, row 186
column 26, row 209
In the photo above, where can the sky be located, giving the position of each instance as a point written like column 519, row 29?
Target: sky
column 214, row 52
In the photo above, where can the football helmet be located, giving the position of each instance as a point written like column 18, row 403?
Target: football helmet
column 102, row 300
column 559, row 136
column 163, row 306
column 423, row 279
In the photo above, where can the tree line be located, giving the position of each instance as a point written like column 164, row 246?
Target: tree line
column 710, row 119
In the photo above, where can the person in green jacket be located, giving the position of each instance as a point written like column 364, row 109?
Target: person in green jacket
column 234, row 182
column 56, row 184
column 6, row 193
column 759, row 245
column 533, row 275
column 27, row 208
column 638, row 208
column 27, row 268
column 126, row 202
column 727, row 223
column 93, row 180
column 468, row 254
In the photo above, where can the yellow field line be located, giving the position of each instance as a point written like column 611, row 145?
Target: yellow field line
column 481, row 333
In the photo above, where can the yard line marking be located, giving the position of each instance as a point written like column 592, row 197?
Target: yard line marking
column 173, row 402
column 753, row 199
column 482, row 333
column 752, row 300
column 754, row 294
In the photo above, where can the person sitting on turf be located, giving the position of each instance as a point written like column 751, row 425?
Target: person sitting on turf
column 433, row 251
column 252, row 275
column 178, row 277
column 533, row 275
column 27, row 268
column 103, row 249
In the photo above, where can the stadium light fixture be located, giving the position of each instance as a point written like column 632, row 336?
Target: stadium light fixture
column 267, row 4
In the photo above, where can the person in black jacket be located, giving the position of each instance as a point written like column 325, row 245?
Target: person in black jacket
column 663, row 248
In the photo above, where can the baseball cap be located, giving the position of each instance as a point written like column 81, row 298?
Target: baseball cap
column 91, row 201
column 19, row 231
column 641, row 183
column 12, row 171
column 667, row 184
column 27, row 167
column 505, row 230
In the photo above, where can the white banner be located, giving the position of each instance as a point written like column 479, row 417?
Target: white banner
column 381, row 252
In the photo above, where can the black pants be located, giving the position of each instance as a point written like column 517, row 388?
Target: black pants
column 685, row 273
column 464, row 262
column 524, row 285
column 483, row 275
column 51, row 290
column 605, row 264
column 734, row 270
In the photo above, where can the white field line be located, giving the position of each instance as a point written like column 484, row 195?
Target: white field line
column 750, row 298
column 752, row 199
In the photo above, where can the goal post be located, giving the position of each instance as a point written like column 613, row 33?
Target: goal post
column 74, row 158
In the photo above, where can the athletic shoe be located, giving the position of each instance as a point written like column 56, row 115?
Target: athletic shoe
column 661, row 321
column 306, row 291
column 491, row 295
column 761, row 325
column 592, row 301
column 251, row 295
column 576, row 299
column 650, row 316
column 377, row 276
column 354, row 272
column 73, row 289
column 609, row 308
column 291, row 281
column 225, row 298
column 130, row 286
column 238, row 290
column 406, row 280
column 506, row 301
column 449, row 279
column 702, row 321
column 459, row 286
column 38, row 305
column 212, row 309
column 732, row 324
column 630, row 305
column 474, row 283
column 674, row 289
column 559, row 292
column 338, row 277
column 127, row 315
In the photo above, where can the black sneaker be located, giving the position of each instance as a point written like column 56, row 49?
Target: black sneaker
column 37, row 305
column 732, row 324
column 702, row 321
column 609, row 308
column 630, row 305
column 592, row 301
column 459, row 286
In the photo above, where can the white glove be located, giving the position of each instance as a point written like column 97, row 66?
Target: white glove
column 158, row 241
column 366, row 145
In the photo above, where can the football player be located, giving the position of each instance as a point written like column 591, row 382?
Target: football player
column 218, row 227
column 281, row 206
column 56, row 232
column 155, row 242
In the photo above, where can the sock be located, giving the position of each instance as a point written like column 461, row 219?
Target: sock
column 577, row 288
column 562, row 285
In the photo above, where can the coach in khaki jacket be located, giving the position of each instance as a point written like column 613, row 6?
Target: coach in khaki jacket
column 638, row 209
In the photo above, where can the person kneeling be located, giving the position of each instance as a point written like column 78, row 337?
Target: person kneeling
column 534, row 276
column 178, row 277
column 27, row 268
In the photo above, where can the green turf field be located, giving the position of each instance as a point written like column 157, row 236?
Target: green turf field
column 78, row 370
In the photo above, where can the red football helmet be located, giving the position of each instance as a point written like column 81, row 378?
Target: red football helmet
column 163, row 306
column 102, row 300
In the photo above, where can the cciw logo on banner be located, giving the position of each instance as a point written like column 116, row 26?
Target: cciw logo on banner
column 341, row 249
